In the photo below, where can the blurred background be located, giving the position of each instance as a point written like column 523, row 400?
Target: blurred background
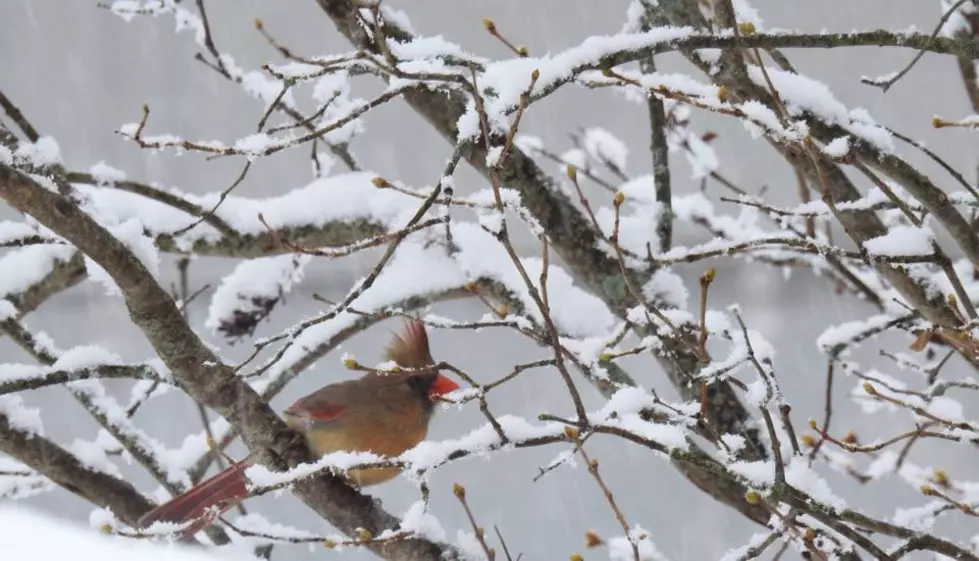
column 79, row 72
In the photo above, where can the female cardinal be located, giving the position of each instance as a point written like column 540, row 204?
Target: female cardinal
column 386, row 414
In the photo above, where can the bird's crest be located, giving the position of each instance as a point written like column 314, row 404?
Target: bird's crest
column 410, row 349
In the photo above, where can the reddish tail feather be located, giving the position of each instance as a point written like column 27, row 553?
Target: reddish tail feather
column 204, row 502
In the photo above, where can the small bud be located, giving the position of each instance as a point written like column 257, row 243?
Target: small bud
column 535, row 75
column 329, row 544
column 105, row 529
column 937, row 122
column 576, row 557
column 572, row 172
column 619, row 198
column 489, row 25
column 927, row 490
column 722, row 94
column 809, row 535
column 522, row 51
column 480, row 533
column 503, row 311
column 592, row 539
column 472, row 286
column 458, row 490
column 941, row 478
column 572, row 433
column 350, row 363
column 708, row 276
column 211, row 443
column 921, row 341
column 813, row 425
column 258, row 23
column 869, row 388
column 364, row 535
column 752, row 497
column 746, row 28
column 850, row 437
column 808, row 440
column 380, row 183
column 708, row 136
column 953, row 301
column 607, row 72
column 604, row 357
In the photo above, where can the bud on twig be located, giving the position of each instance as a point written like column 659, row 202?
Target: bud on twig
column 752, row 497
column 458, row 490
column 592, row 539
column 708, row 276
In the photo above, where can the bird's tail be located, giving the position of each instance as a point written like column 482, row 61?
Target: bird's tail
column 204, row 502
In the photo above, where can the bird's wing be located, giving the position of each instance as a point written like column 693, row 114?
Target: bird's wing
column 328, row 403
column 326, row 411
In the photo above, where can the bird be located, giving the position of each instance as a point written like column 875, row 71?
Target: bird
column 386, row 413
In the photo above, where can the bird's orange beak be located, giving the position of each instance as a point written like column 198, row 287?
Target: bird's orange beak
column 442, row 386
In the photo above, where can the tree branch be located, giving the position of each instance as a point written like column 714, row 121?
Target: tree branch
column 63, row 468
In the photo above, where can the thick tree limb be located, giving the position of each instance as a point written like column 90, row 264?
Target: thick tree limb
column 334, row 234
column 64, row 469
column 63, row 275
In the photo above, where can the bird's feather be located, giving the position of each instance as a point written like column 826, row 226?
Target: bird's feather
column 410, row 349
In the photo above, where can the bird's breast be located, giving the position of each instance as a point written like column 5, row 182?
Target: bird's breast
column 383, row 439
